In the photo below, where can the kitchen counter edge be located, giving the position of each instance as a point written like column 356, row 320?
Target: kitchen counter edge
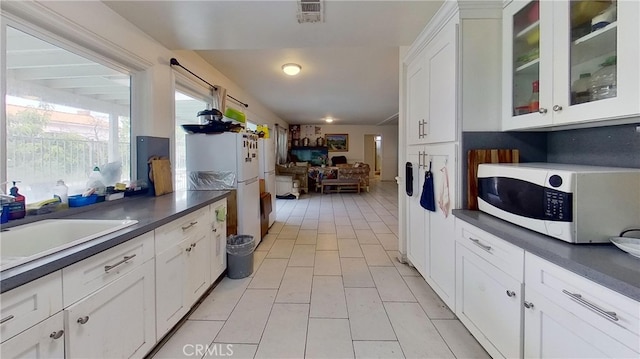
column 150, row 212
column 602, row 263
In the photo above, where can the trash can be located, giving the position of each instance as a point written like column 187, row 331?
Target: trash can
column 240, row 256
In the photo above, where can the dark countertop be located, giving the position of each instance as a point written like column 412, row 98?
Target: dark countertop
column 602, row 263
column 151, row 213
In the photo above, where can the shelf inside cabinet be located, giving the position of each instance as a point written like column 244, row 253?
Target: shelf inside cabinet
column 595, row 44
column 528, row 30
column 529, row 67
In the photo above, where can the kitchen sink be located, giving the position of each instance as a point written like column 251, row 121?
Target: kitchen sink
column 31, row 241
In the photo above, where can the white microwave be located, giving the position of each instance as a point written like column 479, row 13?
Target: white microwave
column 574, row 203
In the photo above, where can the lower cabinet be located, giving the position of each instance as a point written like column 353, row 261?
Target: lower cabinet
column 592, row 321
column 517, row 304
column 431, row 235
column 489, row 290
column 218, row 239
column 117, row 321
column 551, row 331
column 43, row 340
column 183, row 271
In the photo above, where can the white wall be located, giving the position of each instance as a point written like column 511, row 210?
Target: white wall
column 389, row 134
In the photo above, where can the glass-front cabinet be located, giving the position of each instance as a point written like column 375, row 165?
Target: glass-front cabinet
column 569, row 62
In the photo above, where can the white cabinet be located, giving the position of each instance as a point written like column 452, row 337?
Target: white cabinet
column 182, row 266
column 218, row 239
column 431, row 90
column 489, row 290
column 43, row 340
column 431, row 235
column 417, row 217
column 592, row 321
column 29, row 304
column 117, row 321
column 553, row 43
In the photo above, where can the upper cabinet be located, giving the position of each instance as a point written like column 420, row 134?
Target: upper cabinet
column 452, row 74
column 569, row 62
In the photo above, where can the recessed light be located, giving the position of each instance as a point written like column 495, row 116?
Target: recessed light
column 291, row 69
column 328, row 119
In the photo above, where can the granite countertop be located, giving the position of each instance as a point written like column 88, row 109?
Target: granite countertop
column 602, row 263
column 150, row 212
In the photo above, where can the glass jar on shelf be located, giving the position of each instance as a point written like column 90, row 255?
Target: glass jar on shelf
column 581, row 89
column 604, row 81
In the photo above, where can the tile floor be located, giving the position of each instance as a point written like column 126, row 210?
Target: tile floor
column 326, row 284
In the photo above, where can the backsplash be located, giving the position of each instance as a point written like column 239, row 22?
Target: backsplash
column 617, row 146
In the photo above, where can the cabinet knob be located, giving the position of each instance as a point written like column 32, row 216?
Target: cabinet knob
column 511, row 293
column 542, row 110
column 557, row 108
column 528, row 305
column 56, row 335
column 193, row 245
column 189, row 249
column 83, row 320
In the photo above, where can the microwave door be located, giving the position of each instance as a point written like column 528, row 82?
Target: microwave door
column 526, row 199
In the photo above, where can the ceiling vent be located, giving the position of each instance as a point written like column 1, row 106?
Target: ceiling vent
column 310, row 11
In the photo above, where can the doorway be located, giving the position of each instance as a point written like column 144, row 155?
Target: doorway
column 373, row 153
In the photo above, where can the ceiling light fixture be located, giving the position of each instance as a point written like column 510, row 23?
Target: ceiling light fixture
column 291, row 69
column 329, row 120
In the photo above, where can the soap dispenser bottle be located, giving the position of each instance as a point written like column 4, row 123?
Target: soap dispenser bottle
column 17, row 209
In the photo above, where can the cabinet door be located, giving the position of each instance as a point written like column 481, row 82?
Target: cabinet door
column 551, row 331
column 198, row 266
column 118, row 321
column 416, row 215
column 489, row 304
column 43, row 340
column 605, row 52
column 527, row 58
column 218, row 240
column 440, row 68
column 171, row 286
column 441, row 224
column 416, row 100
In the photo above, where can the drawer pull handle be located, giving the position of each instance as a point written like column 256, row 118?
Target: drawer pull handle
column 124, row 260
column 189, row 226
column 527, row 305
column 483, row 246
column 6, row 319
column 56, row 335
column 511, row 293
column 578, row 298
column 83, row 320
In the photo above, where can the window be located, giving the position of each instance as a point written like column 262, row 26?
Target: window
column 187, row 108
column 65, row 113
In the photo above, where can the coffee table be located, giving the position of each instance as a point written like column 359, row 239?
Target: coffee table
column 341, row 185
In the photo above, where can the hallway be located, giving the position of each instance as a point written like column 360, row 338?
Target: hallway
column 327, row 284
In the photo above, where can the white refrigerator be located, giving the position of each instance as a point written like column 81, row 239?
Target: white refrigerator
column 233, row 158
column 267, row 170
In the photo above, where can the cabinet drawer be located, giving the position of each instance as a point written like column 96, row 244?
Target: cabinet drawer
column 172, row 233
column 44, row 340
column 507, row 257
column 29, row 304
column 610, row 312
column 93, row 273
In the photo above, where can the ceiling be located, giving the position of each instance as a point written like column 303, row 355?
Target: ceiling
column 349, row 61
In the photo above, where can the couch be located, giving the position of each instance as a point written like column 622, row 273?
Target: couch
column 299, row 171
column 358, row 171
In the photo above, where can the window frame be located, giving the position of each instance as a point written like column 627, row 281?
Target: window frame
column 121, row 61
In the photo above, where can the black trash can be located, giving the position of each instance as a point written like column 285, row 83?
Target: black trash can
column 240, row 256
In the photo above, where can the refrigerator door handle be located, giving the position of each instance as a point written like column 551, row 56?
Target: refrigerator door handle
column 248, row 182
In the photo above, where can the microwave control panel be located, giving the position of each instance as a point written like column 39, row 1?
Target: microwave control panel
column 557, row 205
